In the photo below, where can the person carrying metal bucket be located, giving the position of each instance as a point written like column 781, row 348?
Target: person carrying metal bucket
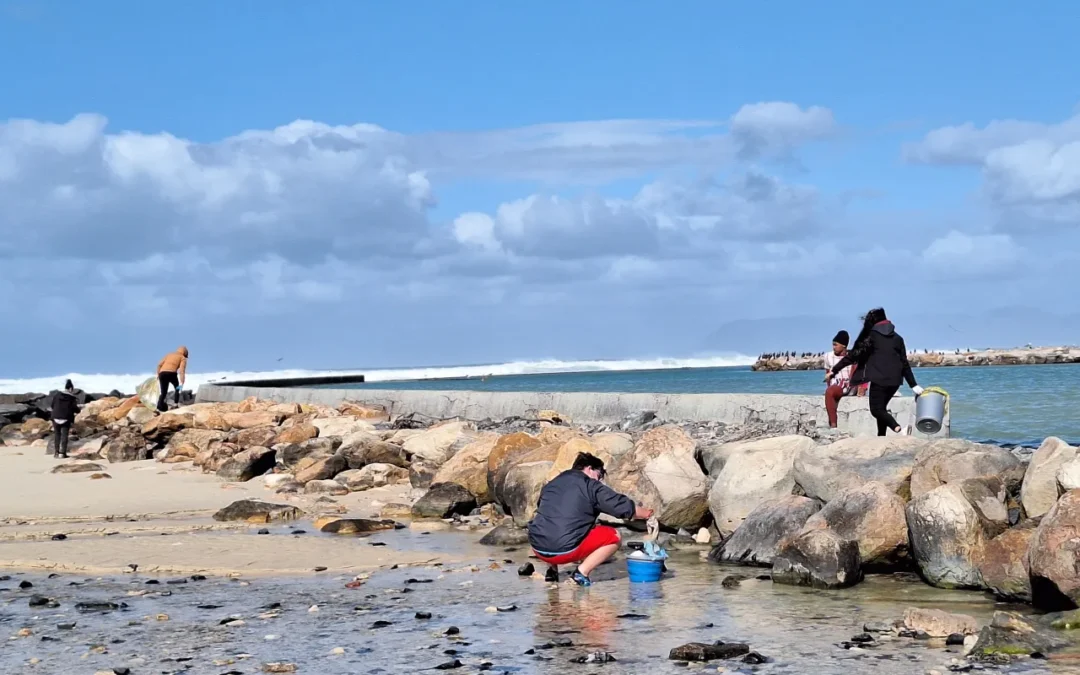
column 882, row 352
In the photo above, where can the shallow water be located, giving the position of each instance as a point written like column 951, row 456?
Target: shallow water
column 798, row 629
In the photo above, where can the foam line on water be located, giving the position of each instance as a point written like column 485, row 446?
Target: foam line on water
column 127, row 382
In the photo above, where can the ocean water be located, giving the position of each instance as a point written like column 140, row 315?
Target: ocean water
column 1011, row 405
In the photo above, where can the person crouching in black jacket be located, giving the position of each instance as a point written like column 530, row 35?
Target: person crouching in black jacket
column 564, row 529
column 881, row 352
column 64, row 408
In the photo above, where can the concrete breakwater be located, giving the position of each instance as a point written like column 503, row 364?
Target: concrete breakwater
column 791, row 414
column 1021, row 356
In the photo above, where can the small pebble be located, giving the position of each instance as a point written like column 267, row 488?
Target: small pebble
column 264, row 531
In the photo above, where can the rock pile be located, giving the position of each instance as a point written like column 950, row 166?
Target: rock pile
column 1026, row 356
column 820, row 514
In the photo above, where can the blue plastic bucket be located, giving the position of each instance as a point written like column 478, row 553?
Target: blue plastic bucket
column 644, row 570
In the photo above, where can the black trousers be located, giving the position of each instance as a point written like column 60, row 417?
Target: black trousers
column 879, row 402
column 164, row 380
column 60, row 437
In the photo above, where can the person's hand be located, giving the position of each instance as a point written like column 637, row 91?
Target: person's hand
column 918, row 390
column 643, row 513
column 828, row 375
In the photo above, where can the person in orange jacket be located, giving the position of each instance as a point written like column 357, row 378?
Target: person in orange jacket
column 171, row 370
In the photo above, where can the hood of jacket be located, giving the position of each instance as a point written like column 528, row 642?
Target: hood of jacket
column 886, row 328
column 65, row 392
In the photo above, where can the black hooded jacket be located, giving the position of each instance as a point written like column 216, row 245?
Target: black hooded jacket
column 64, row 406
column 883, row 354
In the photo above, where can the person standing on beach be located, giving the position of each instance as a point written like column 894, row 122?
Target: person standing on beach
column 840, row 385
column 171, row 370
column 883, row 354
column 64, row 407
column 564, row 529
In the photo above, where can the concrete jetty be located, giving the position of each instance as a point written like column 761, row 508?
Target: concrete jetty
column 795, row 413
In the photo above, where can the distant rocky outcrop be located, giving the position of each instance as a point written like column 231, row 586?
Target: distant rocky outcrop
column 1021, row 356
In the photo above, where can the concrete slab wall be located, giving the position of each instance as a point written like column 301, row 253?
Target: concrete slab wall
column 797, row 412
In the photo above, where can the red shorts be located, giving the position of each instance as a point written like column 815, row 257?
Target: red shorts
column 598, row 537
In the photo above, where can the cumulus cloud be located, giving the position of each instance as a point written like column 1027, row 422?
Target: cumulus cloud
column 1029, row 169
column 961, row 254
column 775, row 128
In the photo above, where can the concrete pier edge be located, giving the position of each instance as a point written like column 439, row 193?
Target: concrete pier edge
column 796, row 412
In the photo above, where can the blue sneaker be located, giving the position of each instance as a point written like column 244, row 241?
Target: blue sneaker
column 580, row 579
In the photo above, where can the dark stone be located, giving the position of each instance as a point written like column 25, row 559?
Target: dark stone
column 67, row 625
column 551, row 576
column 632, row 616
column 863, row 638
column 757, row 540
column 1010, row 635
column 753, row 658
column 819, row 559
column 640, row 421
column 198, row 577
column 423, row 616
column 452, row 630
column 699, row 651
column 256, row 511
column 444, row 500
column 954, row 640
column 357, row 526
column 25, row 585
column 450, row 665
column 382, row 624
column 506, row 535
column 14, row 412
column 732, row 580
column 248, row 464
column 263, row 531
column 59, row 537
column 526, row 570
column 42, row 601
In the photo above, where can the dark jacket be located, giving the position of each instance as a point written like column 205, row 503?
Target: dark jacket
column 568, row 508
column 883, row 354
column 64, row 406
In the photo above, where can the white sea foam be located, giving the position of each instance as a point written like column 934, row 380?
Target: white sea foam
column 127, row 382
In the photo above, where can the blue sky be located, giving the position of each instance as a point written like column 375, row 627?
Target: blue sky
column 485, row 181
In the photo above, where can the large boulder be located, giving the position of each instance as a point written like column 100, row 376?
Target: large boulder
column 319, row 468
column 713, row 456
column 298, row 433
column 613, row 445
column 217, row 455
column 568, row 452
column 953, row 460
column 363, row 411
column 372, row 476
column 288, row 456
column 342, row 426
column 421, row 474
column 1068, row 476
column 824, row 471
column 872, row 516
column 439, row 443
column 988, row 497
column 188, row 443
column 754, row 472
column 247, row 420
column 127, row 446
column 162, row 427
column 262, row 437
column 521, row 490
column 507, row 451
column 1010, row 635
column 114, row 415
column 939, row 623
column 444, row 500
column 14, row 412
column 1055, row 556
column 247, row 464
column 661, row 473
column 1040, row 490
column 89, row 413
column 363, row 449
column 1003, row 563
column 946, row 534
column 88, row 448
column 256, row 511
column 468, row 468
column 818, row 558
column 757, row 540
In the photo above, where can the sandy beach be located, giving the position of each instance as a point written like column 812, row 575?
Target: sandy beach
column 159, row 517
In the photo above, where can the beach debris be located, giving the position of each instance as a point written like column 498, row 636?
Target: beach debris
column 279, row 667
column 77, row 467
column 595, row 657
column 98, row 606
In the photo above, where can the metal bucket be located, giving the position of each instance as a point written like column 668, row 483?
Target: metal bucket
column 930, row 412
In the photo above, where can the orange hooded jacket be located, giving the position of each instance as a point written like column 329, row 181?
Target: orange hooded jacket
column 174, row 362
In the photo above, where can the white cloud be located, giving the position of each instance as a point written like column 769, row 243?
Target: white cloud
column 961, row 254
column 1030, row 170
column 775, row 128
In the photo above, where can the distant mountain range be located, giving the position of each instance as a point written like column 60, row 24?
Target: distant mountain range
column 1000, row 328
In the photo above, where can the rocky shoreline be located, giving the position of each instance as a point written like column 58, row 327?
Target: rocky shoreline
column 817, row 511
column 1023, row 356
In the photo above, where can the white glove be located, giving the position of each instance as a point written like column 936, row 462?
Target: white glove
column 917, row 389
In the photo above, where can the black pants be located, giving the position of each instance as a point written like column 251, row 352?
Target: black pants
column 879, row 402
column 60, row 438
column 164, row 380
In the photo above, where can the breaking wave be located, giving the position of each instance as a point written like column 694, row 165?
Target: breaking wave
column 128, row 382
